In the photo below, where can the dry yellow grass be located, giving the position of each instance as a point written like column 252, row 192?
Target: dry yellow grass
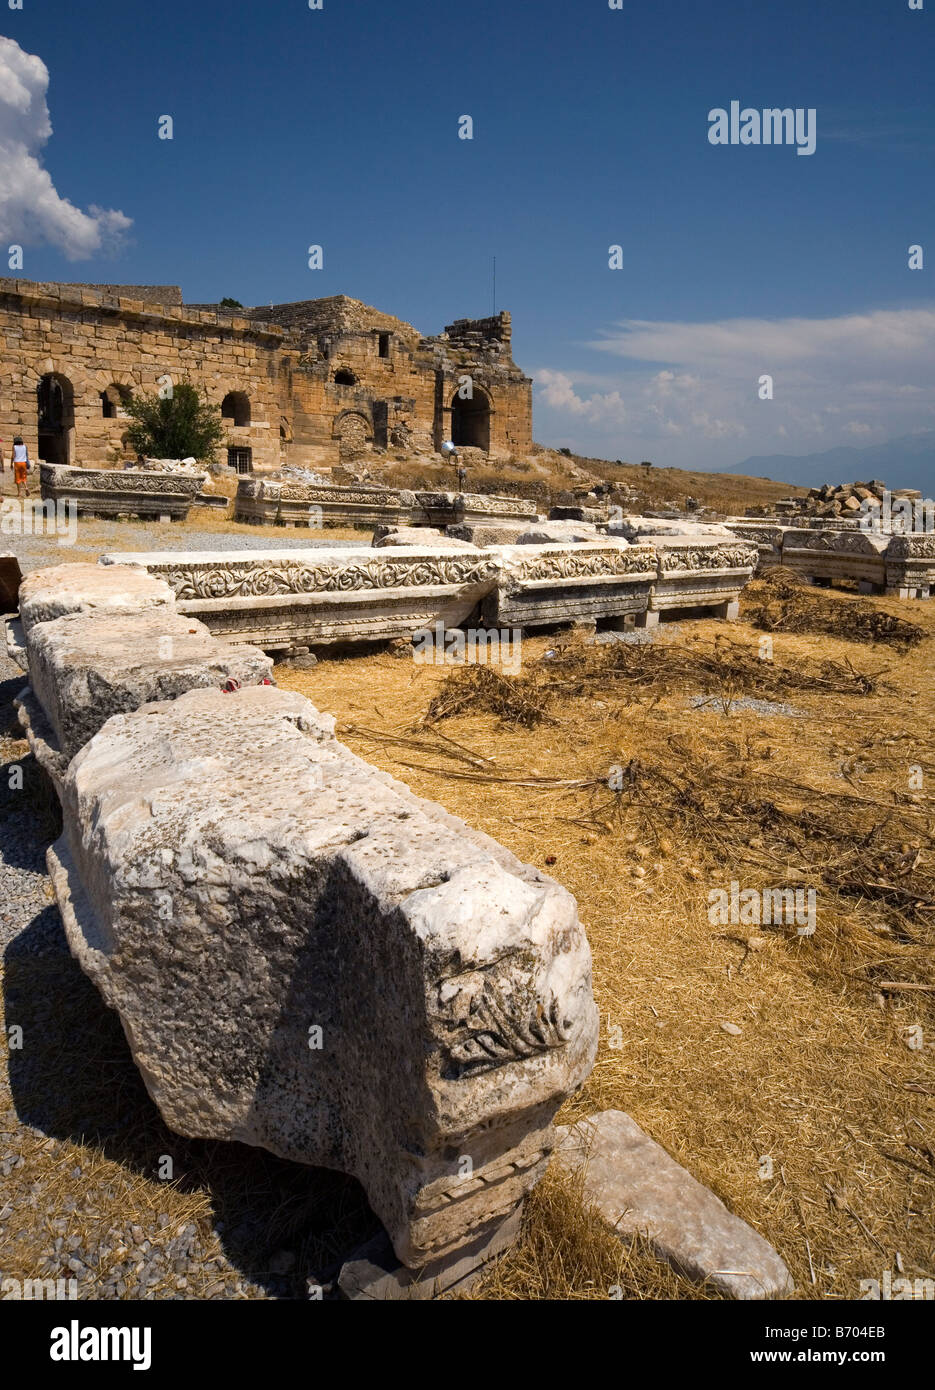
column 821, row 1081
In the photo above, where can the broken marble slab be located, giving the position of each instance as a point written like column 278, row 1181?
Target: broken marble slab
column 286, row 599
column 701, row 572
column 567, row 582
column 85, row 667
column 562, row 532
column 464, row 508
column 634, row 528
column 307, row 957
column 61, row 590
column 290, row 503
column 640, row 1191
column 393, row 536
column 487, row 533
column 827, row 555
column 111, row 492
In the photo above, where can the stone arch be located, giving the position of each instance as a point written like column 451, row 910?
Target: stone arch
column 55, row 410
column 114, row 399
column 353, row 429
column 235, row 409
column 470, row 420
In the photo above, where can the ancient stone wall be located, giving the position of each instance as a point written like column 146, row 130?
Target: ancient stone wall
column 90, row 341
column 317, row 381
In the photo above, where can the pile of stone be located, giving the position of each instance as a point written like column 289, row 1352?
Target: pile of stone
column 846, row 499
column 291, row 472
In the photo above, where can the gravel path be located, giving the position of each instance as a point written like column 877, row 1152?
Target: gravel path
column 98, row 537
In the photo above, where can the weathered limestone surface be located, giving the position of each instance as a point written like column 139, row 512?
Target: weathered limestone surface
column 910, row 565
column 566, row 583
column 282, row 599
column 464, row 508
column 828, row 555
column 316, row 504
column 548, row 532
column 121, row 492
column 88, row 666
column 10, row 577
column 64, row 589
column 488, row 533
column 596, row 515
column 307, row 957
column 638, row 527
column 765, row 535
column 700, row 571
column 640, row 1190
column 386, row 537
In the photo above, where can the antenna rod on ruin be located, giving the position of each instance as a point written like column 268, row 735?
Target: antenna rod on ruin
column 495, row 287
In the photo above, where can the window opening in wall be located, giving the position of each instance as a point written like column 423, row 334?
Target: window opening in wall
column 241, row 460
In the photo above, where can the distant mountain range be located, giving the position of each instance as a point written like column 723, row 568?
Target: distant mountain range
column 905, row 462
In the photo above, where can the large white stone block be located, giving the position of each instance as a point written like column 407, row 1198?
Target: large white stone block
column 307, row 957
column 88, row 666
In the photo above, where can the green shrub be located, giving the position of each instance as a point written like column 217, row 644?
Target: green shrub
column 179, row 426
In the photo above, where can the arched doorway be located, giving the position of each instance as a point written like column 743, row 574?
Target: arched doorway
column 470, row 421
column 235, row 409
column 55, row 399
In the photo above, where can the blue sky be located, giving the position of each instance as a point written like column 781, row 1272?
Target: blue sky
column 340, row 127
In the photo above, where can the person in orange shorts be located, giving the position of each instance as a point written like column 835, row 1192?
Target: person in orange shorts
column 20, row 461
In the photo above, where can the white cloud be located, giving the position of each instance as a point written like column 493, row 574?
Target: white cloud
column 557, row 390
column 31, row 210
column 690, row 391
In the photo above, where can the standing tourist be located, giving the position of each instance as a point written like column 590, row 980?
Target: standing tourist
column 20, row 461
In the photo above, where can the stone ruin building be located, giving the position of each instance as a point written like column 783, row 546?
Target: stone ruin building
column 308, row 383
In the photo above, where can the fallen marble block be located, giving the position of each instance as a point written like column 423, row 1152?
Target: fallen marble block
column 488, row 533
column 640, row 1191
column 274, row 503
column 701, row 572
column 550, row 532
column 10, row 577
column 634, row 528
column 910, row 565
column 765, row 535
column 88, row 666
column 64, row 589
column 542, row 585
column 121, row 492
column 596, row 515
column 385, row 537
column 307, row 957
column 827, row 555
column 464, row 508
column 284, row 599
